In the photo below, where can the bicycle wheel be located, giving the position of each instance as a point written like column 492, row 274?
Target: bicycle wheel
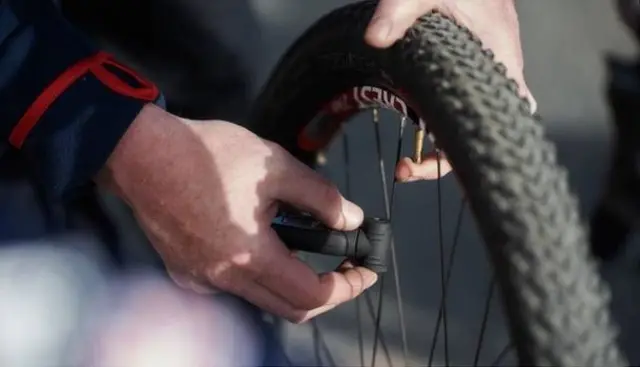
column 439, row 76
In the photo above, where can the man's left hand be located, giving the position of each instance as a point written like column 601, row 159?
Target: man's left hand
column 495, row 22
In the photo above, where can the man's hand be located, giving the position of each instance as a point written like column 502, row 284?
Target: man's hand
column 206, row 193
column 495, row 22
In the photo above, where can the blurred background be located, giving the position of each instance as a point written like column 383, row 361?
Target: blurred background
column 565, row 43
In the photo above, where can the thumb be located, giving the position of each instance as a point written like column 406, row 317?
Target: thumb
column 307, row 190
column 516, row 72
column 533, row 104
column 392, row 19
column 496, row 24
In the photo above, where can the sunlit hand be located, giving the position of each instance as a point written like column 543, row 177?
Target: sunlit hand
column 205, row 194
column 495, row 22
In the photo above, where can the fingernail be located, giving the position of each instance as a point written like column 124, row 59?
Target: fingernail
column 526, row 93
column 352, row 213
column 370, row 279
column 382, row 28
column 534, row 104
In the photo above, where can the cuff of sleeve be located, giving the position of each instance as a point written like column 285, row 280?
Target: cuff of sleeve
column 66, row 154
column 71, row 102
column 74, row 136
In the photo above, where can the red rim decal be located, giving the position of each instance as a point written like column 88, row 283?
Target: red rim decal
column 317, row 134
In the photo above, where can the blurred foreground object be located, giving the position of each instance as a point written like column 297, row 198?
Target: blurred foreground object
column 58, row 307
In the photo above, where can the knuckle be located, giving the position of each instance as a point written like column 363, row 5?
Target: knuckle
column 236, row 270
column 242, row 260
column 329, row 192
column 283, row 163
column 221, row 276
column 275, row 150
column 247, row 264
column 332, row 202
column 272, row 146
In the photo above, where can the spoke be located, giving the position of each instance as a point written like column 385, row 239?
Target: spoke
column 345, row 154
column 381, row 338
column 381, row 166
column 279, row 342
column 316, row 342
column 450, row 262
column 403, row 123
column 287, row 360
column 383, row 178
column 394, row 261
column 443, row 287
column 321, row 346
column 388, row 203
column 347, row 180
column 485, row 319
column 376, row 333
column 502, row 354
column 319, row 343
column 360, row 333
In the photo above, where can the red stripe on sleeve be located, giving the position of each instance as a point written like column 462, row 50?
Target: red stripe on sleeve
column 95, row 64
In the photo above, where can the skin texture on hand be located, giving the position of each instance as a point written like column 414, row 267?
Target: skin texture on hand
column 205, row 194
column 495, row 22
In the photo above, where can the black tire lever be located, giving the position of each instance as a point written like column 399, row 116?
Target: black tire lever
column 368, row 245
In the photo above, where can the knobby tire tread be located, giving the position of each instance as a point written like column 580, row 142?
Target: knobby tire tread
column 555, row 300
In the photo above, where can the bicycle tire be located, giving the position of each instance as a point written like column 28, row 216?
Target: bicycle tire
column 554, row 298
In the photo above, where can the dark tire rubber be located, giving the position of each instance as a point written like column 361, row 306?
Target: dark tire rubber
column 555, row 300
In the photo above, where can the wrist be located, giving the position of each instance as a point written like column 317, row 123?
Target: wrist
column 138, row 138
column 145, row 155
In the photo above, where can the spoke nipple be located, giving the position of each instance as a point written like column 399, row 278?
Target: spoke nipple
column 376, row 115
column 321, row 158
column 418, row 145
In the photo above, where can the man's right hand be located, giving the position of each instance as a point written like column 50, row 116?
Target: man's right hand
column 205, row 193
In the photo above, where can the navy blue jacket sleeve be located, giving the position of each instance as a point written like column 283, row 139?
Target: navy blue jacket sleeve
column 73, row 138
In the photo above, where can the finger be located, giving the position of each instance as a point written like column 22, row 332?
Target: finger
column 276, row 305
column 496, row 24
column 533, row 104
column 298, row 284
column 511, row 59
column 409, row 171
column 270, row 302
column 343, row 268
column 307, row 190
column 392, row 19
